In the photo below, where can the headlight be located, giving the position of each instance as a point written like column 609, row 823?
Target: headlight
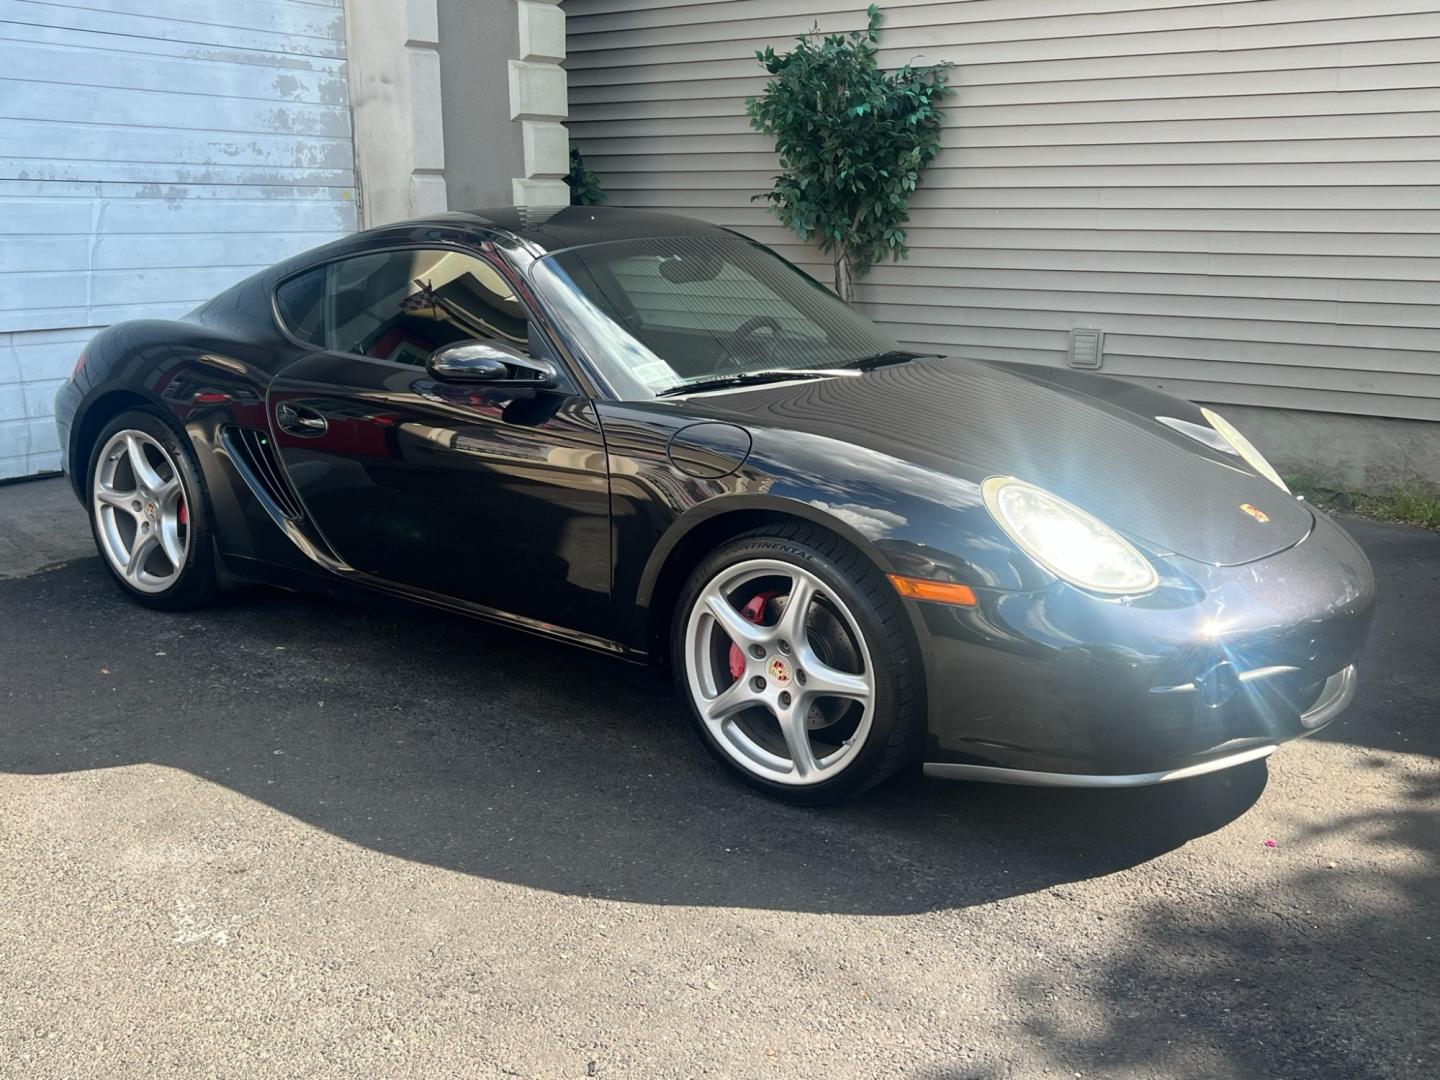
column 1066, row 540
column 1245, row 449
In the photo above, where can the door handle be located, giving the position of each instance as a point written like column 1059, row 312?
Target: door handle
column 300, row 420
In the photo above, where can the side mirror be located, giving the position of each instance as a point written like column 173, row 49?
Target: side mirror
column 490, row 363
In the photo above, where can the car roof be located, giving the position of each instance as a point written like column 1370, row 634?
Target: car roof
column 518, row 229
column 576, row 226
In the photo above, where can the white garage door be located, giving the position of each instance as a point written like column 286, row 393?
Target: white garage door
column 153, row 152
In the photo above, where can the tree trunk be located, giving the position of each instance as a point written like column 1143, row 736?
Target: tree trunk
column 844, row 283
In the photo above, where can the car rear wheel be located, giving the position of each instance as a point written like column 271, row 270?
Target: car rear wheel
column 791, row 653
column 149, row 513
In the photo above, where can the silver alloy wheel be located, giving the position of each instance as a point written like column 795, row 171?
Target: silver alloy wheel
column 784, row 676
column 140, row 511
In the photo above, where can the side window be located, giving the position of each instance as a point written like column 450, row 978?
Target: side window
column 402, row 305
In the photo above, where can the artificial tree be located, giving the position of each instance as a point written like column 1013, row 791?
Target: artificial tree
column 853, row 141
column 584, row 182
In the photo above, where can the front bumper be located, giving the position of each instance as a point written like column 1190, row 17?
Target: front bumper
column 1336, row 694
column 1218, row 667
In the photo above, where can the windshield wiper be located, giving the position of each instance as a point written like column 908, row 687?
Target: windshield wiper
column 894, row 356
column 748, row 378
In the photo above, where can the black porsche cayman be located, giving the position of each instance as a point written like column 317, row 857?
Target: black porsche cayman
column 653, row 437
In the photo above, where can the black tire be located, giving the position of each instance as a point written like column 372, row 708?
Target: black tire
column 896, row 730
column 195, row 585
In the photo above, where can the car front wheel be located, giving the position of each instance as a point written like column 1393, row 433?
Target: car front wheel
column 791, row 653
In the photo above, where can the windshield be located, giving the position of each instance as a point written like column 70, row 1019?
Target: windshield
column 657, row 314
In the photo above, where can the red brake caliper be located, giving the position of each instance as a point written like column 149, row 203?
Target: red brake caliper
column 184, row 513
column 754, row 611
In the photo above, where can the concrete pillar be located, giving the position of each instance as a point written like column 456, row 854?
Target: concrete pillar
column 394, row 67
column 539, row 100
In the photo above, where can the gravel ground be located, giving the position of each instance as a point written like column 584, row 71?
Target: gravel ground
column 287, row 836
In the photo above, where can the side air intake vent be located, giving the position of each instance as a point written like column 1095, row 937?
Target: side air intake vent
column 254, row 454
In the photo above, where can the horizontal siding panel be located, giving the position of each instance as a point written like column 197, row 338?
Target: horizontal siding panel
column 980, row 43
column 974, row 339
column 1274, row 106
column 1183, row 267
column 981, row 18
column 1264, row 243
column 694, row 84
column 1244, row 129
column 900, row 314
column 1379, row 151
column 1303, row 220
column 1221, row 393
column 1218, row 306
column 1278, row 174
column 1409, row 41
column 723, row 189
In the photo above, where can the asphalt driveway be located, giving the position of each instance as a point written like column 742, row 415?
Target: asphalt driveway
column 287, row 836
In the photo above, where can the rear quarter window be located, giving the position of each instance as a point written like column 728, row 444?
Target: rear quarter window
column 300, row 302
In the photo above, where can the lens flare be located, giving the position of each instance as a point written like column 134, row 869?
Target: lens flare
column 1066, row 540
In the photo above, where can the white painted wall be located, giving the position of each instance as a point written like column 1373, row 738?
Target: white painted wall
column 153, row 152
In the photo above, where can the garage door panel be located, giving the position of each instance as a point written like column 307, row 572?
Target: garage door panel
column 30, row 320
column 307, row 18
column 77, row 254
column 117, row 288
column 222, row 24
column 173, row 146
column 151, row 174
column 152, row 153
column 60, row 103
column 174, row 217
column 159, row 51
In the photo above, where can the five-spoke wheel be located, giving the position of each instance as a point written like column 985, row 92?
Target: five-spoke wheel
column 754, row 648
column 144, row 523
column 145, row 514
column 789, row 657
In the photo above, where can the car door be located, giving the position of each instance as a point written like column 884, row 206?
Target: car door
column 496, row 496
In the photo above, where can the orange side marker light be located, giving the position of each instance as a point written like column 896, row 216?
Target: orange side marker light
column 939, row 592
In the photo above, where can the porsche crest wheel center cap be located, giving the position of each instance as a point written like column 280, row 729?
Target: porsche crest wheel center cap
column 779, row 671
column 151, row 511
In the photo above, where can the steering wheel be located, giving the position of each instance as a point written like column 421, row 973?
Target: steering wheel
column 741, row 334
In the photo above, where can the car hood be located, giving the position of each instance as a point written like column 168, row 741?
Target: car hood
column 1092, row 440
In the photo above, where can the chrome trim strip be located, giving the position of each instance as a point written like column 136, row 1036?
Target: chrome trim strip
column 995, row 775
column 1339, row 691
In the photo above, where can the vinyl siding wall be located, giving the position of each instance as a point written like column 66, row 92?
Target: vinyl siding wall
column 1243, row 196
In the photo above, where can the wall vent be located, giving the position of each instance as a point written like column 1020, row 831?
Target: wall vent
column 1087, row 348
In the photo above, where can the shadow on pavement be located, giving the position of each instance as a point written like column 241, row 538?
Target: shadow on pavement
column 442, row 741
